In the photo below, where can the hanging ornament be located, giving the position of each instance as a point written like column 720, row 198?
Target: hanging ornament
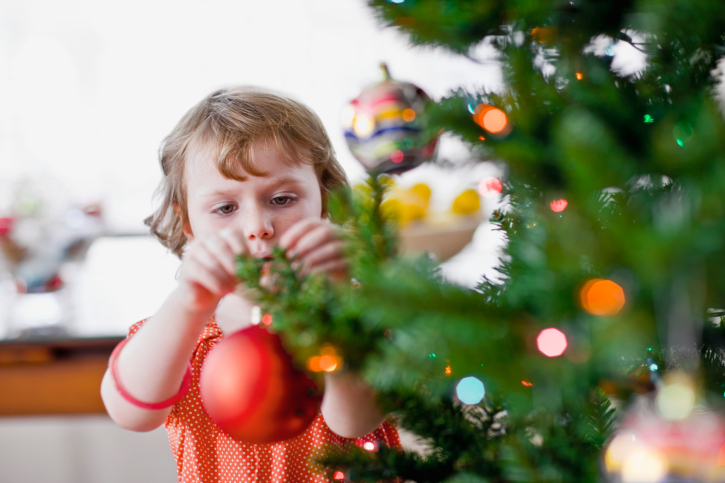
column 669, row 438
column 384, row 127
column 251, row 389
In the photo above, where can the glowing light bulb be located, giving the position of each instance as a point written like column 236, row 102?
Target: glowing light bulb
column 621, row 446
column 644, row 465
column 675, row 401
column 551, row 342
column 256, row 316
column 470, row 390
column 490, row 187
column 602, row 297
column 557, row 206
column 494, row 120
column 313, row 363
column 579, row 76
column 369, row 445
column 328, row 363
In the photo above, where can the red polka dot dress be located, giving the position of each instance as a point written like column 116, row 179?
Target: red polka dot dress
column 205, row 453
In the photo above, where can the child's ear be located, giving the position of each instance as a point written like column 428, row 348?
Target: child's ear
column 186, row 226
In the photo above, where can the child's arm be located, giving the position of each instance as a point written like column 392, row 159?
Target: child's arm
column 348, row 405
column 152, row 364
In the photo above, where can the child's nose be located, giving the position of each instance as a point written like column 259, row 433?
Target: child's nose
column 257, row 224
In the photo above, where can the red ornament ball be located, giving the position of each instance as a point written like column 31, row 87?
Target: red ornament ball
column 251, row 389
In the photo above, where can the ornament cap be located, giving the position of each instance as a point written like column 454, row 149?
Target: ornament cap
column 385, row 71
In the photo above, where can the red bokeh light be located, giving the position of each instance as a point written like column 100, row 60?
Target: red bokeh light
column 267, row 319
column 397, row 156
column 339, row 475
column 490, row 187
column 557, row 206
column 551, row 342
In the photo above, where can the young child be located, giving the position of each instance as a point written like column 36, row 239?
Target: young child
column 243, row 171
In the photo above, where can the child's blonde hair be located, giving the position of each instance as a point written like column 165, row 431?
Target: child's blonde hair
column 230, row 123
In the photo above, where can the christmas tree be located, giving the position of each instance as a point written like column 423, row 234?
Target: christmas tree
column 612, row 291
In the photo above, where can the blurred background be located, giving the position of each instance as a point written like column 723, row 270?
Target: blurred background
column 87, row 92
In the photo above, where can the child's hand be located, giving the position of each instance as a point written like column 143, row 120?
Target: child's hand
column 208, row 270
column 316, row 246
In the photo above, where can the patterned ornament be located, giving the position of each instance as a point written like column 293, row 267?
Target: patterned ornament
column 251, row 389
column 384, row 126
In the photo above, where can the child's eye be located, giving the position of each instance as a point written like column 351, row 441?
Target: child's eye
column 226, row 209
column 282, row 200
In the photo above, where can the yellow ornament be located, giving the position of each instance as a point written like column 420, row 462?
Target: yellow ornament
column 405, row 206
column 423, row 190
column 466, row 203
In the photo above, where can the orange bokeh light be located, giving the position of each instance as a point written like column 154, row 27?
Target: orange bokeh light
column 408, row 115
column 494, row 120
column 557, row 206
column 579, row 76
column 526, row 383
column 491, row 118
column 602, row 297
column 313, row 363
column 267, row 319
column 448, row 370
column 327, row 363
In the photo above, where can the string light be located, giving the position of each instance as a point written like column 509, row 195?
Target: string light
column 526, row 383
column 448, row 370
column 470, row 390
column 490, row 118
column 579, row 76
column 551, row 342
column 675, row 401
column 602, row 297
column 648, row 119
column 557, row 206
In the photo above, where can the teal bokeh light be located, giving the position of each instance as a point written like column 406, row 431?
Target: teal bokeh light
column 470, row 390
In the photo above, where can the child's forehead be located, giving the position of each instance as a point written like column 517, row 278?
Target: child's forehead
column 263, row 160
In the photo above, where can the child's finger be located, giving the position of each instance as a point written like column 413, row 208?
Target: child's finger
column 336, row 268
column 235, row 240
column 292, row 236
column 200, row 275
column 328, row 251
column 220, row 249
column 313, row 239
column 208, row 263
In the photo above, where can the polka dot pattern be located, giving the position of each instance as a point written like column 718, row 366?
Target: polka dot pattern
column 205, row 453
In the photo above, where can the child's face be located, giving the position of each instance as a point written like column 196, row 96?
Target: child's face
column 261, row 208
